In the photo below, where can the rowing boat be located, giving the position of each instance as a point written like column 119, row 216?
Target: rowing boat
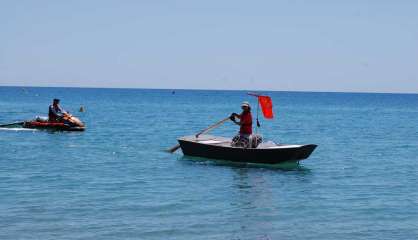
column 215, row 147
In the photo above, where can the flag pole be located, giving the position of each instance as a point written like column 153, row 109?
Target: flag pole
column 258, row 107
column 258, row 123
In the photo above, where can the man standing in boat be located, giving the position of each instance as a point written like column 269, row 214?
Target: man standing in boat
column 56, row 113
column 246, row 126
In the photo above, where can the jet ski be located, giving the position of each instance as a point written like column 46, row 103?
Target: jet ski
column 67, row 123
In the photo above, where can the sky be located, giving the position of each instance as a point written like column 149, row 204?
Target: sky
column 293, row 45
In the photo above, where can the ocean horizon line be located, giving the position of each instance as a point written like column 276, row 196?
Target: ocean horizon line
column 212, row 89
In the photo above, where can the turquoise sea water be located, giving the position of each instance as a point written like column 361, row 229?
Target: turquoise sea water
column 114, row 181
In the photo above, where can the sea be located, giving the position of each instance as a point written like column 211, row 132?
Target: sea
column 116, row 181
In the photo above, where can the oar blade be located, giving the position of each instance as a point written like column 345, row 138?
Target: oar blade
column 173, row 149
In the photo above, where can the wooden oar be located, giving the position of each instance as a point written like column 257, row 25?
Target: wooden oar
column 174, row 148
column 11, row 124
column 212, row 127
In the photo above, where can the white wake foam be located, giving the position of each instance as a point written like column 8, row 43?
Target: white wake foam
column 17, row 129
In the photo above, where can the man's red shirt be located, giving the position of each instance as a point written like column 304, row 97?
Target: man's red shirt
column 246, row 121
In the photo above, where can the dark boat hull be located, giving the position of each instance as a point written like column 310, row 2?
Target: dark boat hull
column 272, row 155
column 51, row 126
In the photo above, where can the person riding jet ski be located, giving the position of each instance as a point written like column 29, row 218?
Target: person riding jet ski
column 56, row 113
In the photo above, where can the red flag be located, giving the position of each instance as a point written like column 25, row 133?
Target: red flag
column 266, row 106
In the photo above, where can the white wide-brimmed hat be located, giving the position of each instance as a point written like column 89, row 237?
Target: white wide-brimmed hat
column 245, row 104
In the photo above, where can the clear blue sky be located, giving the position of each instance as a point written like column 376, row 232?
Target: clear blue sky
column 352, row 45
